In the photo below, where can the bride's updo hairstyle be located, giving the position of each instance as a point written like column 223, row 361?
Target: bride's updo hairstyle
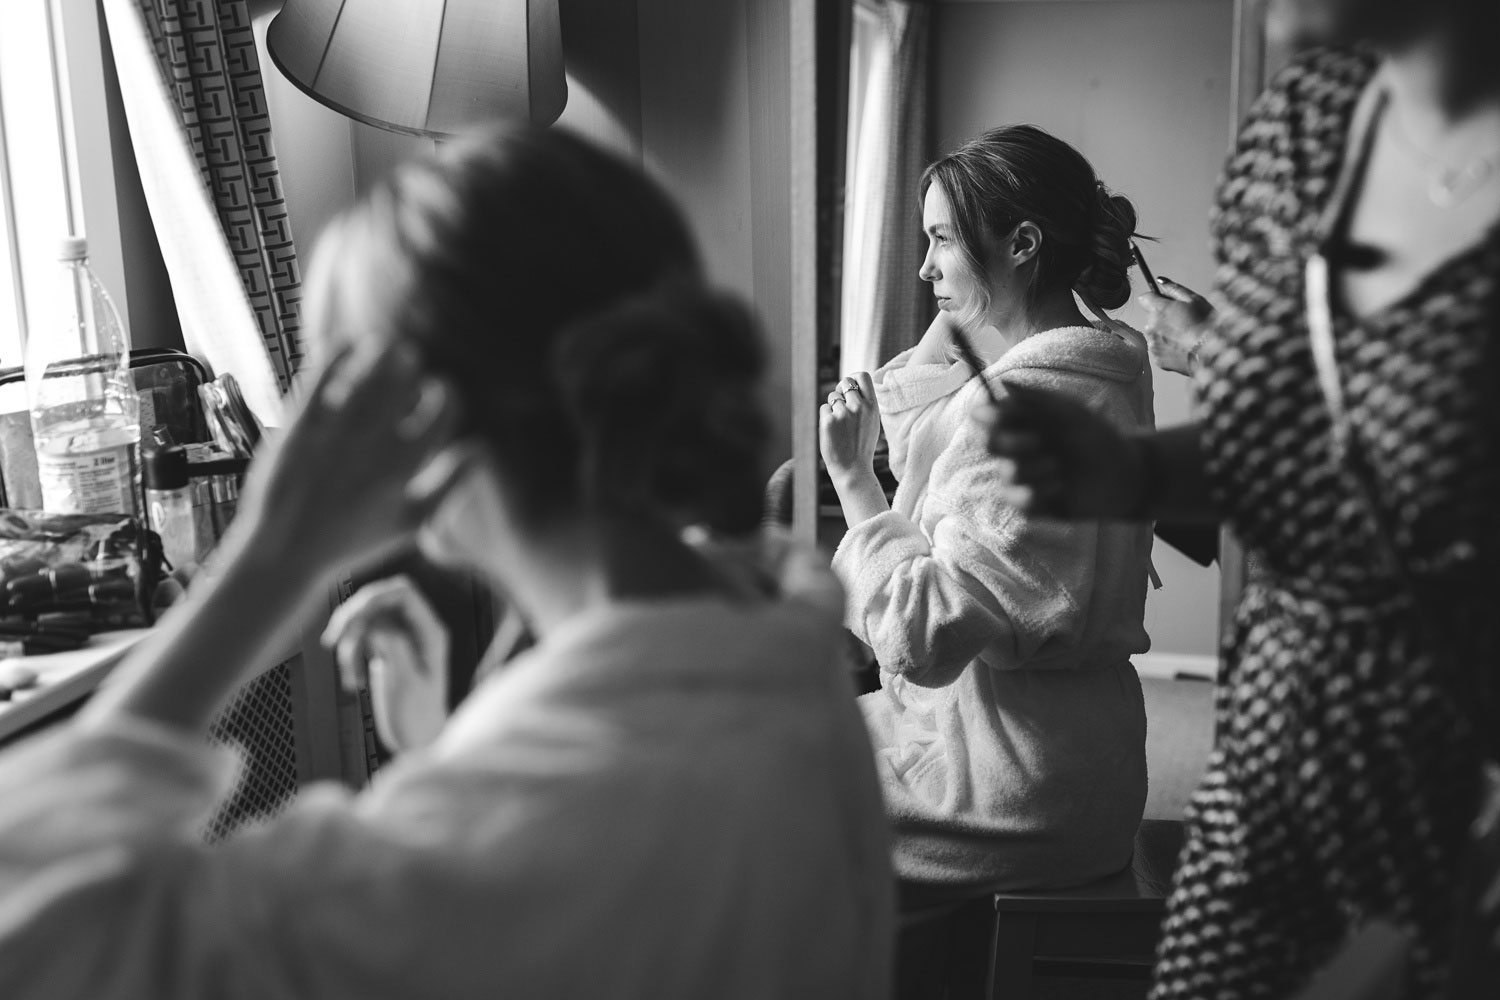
column 1019, row 173
column 560, row 289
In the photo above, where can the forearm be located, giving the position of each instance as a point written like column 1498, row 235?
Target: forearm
column 1175, row 482
column 230, row 628
column 927, row 611
column 861, row 496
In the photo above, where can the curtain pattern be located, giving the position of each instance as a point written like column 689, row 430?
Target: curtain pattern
column 190, row 82
column 885, row 307
column 207, row 54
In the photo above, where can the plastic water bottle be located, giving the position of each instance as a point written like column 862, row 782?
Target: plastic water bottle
column 169, row 504
column 85, row 414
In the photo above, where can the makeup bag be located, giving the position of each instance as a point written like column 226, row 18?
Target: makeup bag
column 64, row 577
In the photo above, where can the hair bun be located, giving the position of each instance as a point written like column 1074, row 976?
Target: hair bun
column 1105, row 280
column 661, row 391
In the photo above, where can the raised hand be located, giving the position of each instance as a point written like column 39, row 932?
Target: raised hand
column 388, row 636
column 369, row 457
column 1063, row 460
column 849, row 428
column 1179, row 318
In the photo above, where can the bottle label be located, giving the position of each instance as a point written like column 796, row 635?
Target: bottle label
column 88, row 482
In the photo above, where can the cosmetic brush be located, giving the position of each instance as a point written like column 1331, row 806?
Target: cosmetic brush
column 971, row 358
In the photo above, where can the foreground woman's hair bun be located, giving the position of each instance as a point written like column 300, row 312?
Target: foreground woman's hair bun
column 1105, row 279
column 661, row 391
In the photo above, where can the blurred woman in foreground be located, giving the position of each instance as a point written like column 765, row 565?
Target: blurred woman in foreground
column 669, row 795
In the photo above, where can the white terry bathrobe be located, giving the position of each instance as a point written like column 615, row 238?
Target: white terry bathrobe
column 665, row 799
column 1010, row 728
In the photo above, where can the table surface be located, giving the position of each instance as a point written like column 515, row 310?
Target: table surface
column 63, row 678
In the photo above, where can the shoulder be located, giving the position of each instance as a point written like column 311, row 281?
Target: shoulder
column 1295, row 131
column 1313, row 94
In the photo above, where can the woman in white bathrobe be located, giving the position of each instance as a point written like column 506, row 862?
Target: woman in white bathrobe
column 1009, row 726
column 669, row 796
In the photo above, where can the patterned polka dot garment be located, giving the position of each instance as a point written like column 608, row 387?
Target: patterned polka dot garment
column 1350, row 727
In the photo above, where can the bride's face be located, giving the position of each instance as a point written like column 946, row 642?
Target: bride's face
column 960, row 289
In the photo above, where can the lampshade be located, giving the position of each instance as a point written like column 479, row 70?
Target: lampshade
column 424, row 67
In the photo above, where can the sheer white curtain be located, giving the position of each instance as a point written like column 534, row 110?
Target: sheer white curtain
column 883, row 306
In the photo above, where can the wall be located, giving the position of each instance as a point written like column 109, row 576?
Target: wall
column 714, row 128
column 693, row 89
column 326, row 159
column 1142, row 88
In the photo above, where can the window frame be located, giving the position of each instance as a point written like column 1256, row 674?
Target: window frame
column 84, row 148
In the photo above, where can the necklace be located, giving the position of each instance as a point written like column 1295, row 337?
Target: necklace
column 1447, row 184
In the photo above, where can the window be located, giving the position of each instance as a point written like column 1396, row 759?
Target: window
column 34, row 185
column 56, row 172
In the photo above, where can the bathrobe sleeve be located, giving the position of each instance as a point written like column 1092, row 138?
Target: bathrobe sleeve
column 971, row 577
column 439, row 881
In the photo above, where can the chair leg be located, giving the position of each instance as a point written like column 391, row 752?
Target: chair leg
column 1011, row 976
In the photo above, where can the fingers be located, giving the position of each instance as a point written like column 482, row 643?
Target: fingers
column 370, row 389
column 439, row 476
column 408, row 704
column 1182, row 293
column 855, row 391
column 329, row 381
column 1025, row 434
column 393, row 597
column 377, row 611
column 357, row 374
column 1030, row 474
column 1014, row 443
column 1029, row 403
column 352, row 660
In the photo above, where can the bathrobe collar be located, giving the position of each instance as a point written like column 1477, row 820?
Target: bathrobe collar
column 1084, row 350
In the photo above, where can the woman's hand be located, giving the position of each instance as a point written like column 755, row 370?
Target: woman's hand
column 370, row 456
column 1124, row 331
column 1179, row 319
column 1064, row 460
column 388, row 637
column 849, row 428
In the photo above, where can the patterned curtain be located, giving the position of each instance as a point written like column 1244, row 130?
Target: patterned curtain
column 884, row 306
column 206, row 49
column 190, row 78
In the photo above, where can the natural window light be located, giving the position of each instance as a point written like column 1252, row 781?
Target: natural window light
column 35, row 208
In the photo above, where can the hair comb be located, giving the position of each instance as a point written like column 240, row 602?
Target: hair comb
column 971, row 358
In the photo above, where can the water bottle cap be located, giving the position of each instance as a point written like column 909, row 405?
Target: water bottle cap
column 73, row 248
column 166, row 468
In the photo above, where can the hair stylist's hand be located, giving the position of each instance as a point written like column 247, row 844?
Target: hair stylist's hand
column 388, row 636
column 368, row 458
column 1179, row 319
column 849, row 428
column 1062, row 459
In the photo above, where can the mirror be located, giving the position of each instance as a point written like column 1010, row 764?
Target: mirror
column 1150, row 91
